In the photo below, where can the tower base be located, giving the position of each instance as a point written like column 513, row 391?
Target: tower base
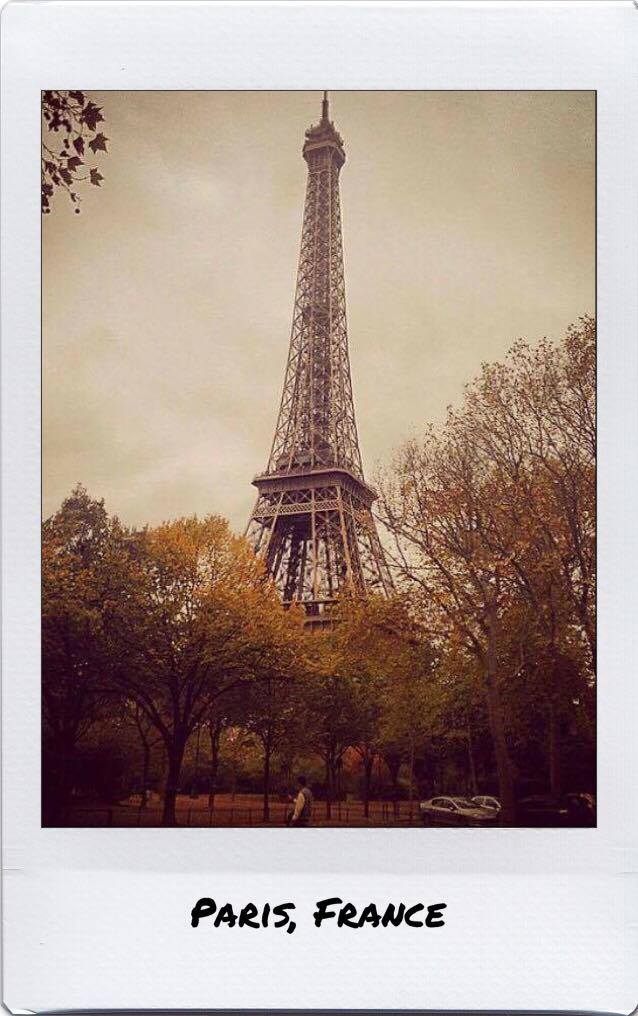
column 315, row 531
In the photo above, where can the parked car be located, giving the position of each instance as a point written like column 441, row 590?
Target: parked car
column 542, row 810
column 485, row 801
column 581, row 809
column 455, row 811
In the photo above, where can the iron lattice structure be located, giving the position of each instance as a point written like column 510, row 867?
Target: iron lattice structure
column 313, row 521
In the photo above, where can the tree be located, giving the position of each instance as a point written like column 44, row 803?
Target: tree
column 84, row 564
column 275, row 710
column 333, row 725
column 533, row 420
column 533, row 423
column 492, row 517
column 546, row 700
column 434, row 513
column 200, row 620
column 216, row 723
column 145, row 732
column 387, row 659
column 361, row 663
column 70, row 129
column 456, row 718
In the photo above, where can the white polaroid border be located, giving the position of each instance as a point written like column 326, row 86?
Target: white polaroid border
column 536, row 919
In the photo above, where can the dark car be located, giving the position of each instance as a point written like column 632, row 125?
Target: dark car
column 570, row 810
column 542, row 810
column 581, row 809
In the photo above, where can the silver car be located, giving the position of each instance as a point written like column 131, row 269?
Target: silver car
column 455, row 811
column 485, row 801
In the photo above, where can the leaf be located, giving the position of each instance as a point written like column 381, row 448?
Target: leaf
column 73, row 163
column 79, row 97
column 96, row 177
column 98, row 144
column 78, row 144
column 91, row 115
column 66, row 176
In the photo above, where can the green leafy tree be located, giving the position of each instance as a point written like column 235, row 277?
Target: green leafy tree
column 85, row 564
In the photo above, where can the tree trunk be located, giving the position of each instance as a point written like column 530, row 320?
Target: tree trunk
column 338, row 766
column 590, row 634
column 194, row 789
column 554, row 750
column 175, row 756
column 215, row 733
column 504, row 769
column 145, row 768
column 57, row 786
column 267, row 755
column 411, row 773
column 368, row 762
column 471, row 762
column 329, row 779
column 393, row 763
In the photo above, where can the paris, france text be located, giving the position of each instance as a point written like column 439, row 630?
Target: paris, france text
column 344, row 914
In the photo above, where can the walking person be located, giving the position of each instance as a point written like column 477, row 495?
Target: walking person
column 302, row 815
column 290, row 809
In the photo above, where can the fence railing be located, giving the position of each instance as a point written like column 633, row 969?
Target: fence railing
column 339, row 813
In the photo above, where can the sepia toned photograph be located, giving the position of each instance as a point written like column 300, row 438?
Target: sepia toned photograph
column 319, row 459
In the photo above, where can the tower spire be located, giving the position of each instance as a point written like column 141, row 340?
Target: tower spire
column 312, row 522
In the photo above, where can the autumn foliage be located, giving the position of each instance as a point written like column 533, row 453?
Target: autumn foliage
column 493, row 525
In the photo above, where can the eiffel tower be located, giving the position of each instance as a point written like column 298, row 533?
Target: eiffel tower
column 312, row 521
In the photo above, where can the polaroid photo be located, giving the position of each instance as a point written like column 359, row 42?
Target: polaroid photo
column 319, row 430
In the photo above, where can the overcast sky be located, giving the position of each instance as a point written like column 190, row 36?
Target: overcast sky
column 468, row 221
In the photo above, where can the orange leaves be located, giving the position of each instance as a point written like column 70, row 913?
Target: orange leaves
column 497, row 505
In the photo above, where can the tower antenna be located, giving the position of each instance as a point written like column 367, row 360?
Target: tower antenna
column 324, row 107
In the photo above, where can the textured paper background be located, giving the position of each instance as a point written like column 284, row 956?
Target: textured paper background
column 539, row 918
